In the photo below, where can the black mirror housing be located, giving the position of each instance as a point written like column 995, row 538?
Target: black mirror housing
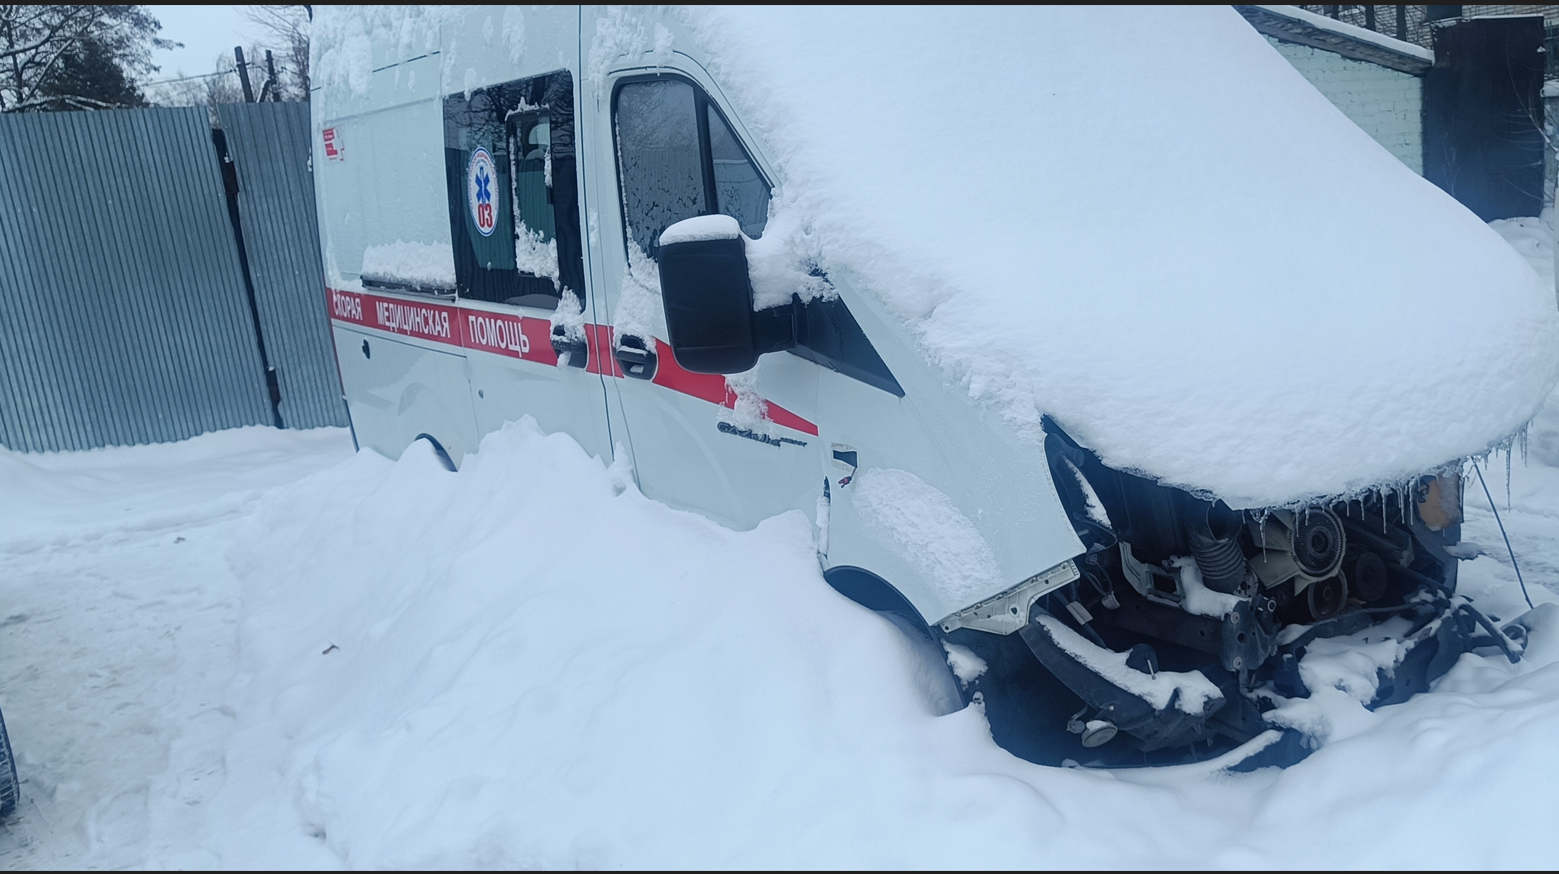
column 707, row 295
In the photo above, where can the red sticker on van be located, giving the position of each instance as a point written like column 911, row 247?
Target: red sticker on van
column 332, row 144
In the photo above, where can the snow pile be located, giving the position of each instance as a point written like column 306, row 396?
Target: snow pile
column 1190, row 258
column 527, row 663
column 533, row 665
column 454, row 669
column 1534, row 239
column 414, row 265
column 69, row 498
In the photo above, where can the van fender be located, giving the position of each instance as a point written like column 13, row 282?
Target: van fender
column 874, row 593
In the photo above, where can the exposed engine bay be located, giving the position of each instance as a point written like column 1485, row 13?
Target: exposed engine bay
column 1188, row 619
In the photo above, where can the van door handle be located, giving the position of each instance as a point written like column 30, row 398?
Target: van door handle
column 636, row 361
column 578, row 351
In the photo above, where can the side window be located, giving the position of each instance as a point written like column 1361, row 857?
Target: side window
column 740, row 191
column 827, row 334
column 514, row 193
column 677, row 159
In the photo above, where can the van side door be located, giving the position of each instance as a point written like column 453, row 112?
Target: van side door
column 738, row 448
column 515, row 221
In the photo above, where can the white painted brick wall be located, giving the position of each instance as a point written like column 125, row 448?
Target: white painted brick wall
column 1386, row 103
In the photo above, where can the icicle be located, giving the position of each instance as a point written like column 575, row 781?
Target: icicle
column 1507, row 478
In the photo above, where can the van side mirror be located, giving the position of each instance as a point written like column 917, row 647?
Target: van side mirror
column 707, row 296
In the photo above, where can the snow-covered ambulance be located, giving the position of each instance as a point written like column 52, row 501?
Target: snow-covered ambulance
column 676, row 235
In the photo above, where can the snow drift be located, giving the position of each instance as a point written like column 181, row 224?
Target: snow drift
column 528, row 664
column 1147, row 224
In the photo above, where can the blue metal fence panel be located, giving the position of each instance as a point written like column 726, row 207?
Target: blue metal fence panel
column 123, row 313
column 269, row 144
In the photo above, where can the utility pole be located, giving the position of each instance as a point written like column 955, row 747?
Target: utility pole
column 1369, row 18
column 271, row 83
column 243, row 74
column 1402, row 23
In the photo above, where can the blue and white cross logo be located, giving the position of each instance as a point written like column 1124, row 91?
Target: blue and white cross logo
column 480, row 176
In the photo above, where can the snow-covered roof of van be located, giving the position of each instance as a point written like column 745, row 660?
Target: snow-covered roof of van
column 1144, row 222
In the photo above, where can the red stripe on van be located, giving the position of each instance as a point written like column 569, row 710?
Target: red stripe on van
column 529, row 339
column 521, row 337
column 711, row 387
column 423, row 320
column 600, row 338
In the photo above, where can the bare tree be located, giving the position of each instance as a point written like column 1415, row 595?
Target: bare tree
column 55, row 57
column 286, row 30
column 204, row 89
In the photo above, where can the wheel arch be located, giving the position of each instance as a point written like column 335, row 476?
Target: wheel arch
column 873, row 592
column 438, row 449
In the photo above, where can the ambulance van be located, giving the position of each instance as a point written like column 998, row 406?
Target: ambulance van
column 528, row 220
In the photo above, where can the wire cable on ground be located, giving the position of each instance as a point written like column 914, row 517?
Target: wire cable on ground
column 1503, row 534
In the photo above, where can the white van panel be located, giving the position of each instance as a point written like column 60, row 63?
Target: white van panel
column 693, row 452
column 367, row 196
column 399, row 389
column 693, row 445
column 514, row 372
column 934, row 432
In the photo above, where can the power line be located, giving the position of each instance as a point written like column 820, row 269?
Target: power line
column 190, row 78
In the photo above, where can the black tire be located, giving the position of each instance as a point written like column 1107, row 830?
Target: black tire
column 10, row 787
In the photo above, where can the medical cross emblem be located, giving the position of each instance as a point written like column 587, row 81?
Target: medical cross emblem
column 479, row 192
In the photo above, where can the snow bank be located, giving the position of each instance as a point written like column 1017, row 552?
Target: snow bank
column 1189, row 257
column 1533, row 237
column 52, row 499
column 527, row 663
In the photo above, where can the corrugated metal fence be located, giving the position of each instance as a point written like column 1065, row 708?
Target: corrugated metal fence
column 125, row 313
column 269, row 145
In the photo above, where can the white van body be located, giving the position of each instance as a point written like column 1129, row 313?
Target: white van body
column 452, row 317
column 455, row 368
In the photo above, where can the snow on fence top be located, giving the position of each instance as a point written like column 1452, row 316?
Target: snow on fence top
column 1144, row 222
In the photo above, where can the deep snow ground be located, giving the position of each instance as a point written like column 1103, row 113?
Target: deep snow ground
column 536, row 666
column 117, row 642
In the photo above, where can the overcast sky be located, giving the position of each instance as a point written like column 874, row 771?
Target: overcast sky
column 205, row 31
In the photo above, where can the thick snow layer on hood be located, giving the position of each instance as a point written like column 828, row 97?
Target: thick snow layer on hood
column 1147, row 224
